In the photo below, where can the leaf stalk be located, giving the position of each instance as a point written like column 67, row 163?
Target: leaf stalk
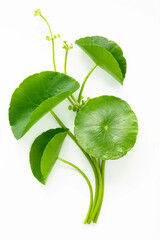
column 89, row 185
column 95, row 168
column 52, row 39
column 84, row 82
column 102, row 195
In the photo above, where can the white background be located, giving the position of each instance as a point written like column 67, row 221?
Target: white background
column 131, row 207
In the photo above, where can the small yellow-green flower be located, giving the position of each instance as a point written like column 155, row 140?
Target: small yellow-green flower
column 66, row 46
column 37, row 12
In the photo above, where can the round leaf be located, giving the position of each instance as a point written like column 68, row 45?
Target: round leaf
column 44, row 152
column 106, row 127
column 36, row 96
column 106, row 54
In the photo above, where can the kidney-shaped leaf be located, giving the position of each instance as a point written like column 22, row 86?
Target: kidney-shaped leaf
column 106, row 127
column 106, row 54
column 36, row 96
column 44, row 152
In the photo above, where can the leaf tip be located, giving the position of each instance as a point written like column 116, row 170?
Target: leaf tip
column 42, row 180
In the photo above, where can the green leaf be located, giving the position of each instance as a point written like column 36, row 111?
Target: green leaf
column 44, row 152
column 36, row 96
column 106, row 54
column 106, row 127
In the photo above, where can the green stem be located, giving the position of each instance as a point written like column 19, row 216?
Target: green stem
column 103, row 174
column 54, row 64
column 73, row 98
column 58, row 120
column 84, row 82
column 95, row 197
column 89, row 185
column 95, row 174
column 65, row 71
column 70, row 100
column 65, row 62
column 99, row 163
column 96, row 170
column 99, row 191
column 91, row 161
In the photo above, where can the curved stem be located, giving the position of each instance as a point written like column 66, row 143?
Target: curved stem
column 97, row 201
column 96, row 193
column 95, row 197
column 103, row 174
column 89, row 185
column 54, row 64
column 84, row 82
column 91, row 161
column 75, row 140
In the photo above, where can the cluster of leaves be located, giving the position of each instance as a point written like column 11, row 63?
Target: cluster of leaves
column 105, row 127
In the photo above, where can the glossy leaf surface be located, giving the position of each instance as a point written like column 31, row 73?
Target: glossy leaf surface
column 106, row 54
column 106, row 127
column 44, row 152
column 36, row 96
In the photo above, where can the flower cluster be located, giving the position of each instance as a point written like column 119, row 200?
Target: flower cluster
column 66, row 46
column 37, row 12
column 53, row 38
